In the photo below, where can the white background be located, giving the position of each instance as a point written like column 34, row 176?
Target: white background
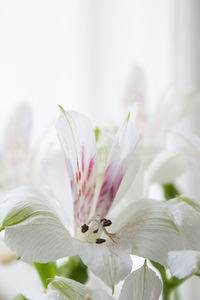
column 80, row 54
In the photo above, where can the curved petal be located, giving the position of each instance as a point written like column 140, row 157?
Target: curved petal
column 33, row 228
column 67, row 289
column 127, row 186
column 146, row 228
column 166, row 167
column 106, row 261
column 187, row 219
column 119, row 159
column 58, row 181
column 143, row 284
column 78, row 142
column 184, row 263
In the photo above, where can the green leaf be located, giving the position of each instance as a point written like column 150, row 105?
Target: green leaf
column 170, row 191
column 46, row 271
column 74, row 269
column 20, row 297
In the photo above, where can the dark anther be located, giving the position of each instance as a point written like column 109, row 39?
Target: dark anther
column 95, row 231
column 84, row 228
column 100, row 241
column 106, row 222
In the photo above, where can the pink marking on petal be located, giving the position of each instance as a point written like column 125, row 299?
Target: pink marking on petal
column 71, row 184
column 82, row 208
column 76, row 178
column 108, row 190
column 105, row 188
column 83, row 159
column 91, row 197
column 88, row 211
column 88, row 192
column 91, row 164
column 77, row 164
column 84, row 187
column 79, row 175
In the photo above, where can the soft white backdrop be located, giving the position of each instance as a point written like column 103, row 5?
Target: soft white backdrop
column 80, row 54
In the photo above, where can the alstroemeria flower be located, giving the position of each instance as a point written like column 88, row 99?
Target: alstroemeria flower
column 38, row 228
column 142, row 284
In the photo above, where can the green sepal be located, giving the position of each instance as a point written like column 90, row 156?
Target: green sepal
column 74, row 269
column 170, row 191
column 70, row 289
column 46, row 272
column 20, row 297
column 21, row 215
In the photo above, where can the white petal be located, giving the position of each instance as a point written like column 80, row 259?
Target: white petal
column 100, row 295
column 105, row 261
column 184, row 263
column 142, row 284
column 77, row 138
column 58, row 181
column 16, row 147
column 187, row 220
column 166, row 167
column 119, row 159
column 17, row 133
column 67, row 289
column 33, row 229
column 136, row 90
column 127, row 184
column 146, row 229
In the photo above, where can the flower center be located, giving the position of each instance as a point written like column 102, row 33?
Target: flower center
column 92, row 231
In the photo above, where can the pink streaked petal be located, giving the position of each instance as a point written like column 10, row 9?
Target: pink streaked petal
column 77, row 138
column 120, row 157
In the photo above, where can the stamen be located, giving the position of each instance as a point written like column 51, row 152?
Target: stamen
column 100, row 241
column 84, row 228
column 113, row 236
column 106, row 222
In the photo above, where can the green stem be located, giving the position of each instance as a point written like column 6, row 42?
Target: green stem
column 169, row 284
column 45, row 271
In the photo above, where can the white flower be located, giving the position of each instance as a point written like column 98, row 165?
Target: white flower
column 143, row 284
column 38, row 227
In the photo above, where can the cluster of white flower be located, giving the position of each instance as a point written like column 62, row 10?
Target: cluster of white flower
column 92, row 198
